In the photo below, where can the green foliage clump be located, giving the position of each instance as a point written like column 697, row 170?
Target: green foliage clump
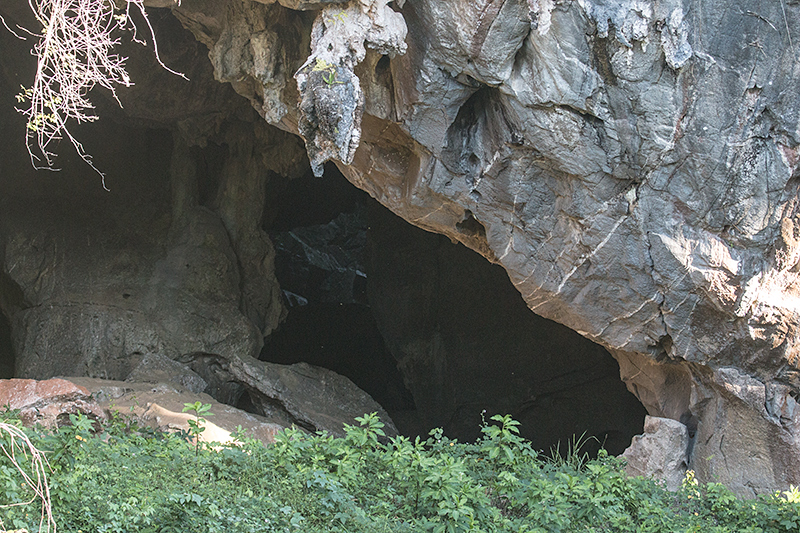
column 120, row 478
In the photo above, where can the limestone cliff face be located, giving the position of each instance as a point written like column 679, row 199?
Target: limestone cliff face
column 631, row 164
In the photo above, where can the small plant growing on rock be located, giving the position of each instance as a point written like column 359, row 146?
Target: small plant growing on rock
column 328, row 71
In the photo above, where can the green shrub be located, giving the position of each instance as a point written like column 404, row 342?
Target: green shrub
column 121, row 478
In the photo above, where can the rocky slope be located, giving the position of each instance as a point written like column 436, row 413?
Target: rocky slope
column 631, row 164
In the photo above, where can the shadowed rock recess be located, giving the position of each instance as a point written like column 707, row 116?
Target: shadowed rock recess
column 629, row 166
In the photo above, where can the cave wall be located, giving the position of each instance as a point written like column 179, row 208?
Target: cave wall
column 632, row 165
column 105, row 275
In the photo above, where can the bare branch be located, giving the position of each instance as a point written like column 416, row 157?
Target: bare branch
column 12, row 32
column 75, row 53
column 22, row 449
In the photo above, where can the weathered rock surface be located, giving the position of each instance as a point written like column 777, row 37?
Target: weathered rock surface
column 44, row 402
column 160, row 406
column 662, row 452
column 156, row 368
column 632, row 165
column 324, row 263
column 311, row 397
column 331, row 99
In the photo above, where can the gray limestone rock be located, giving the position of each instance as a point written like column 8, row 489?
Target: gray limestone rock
column 661, row 453
column 155, row 368
column 308, row 396
column 632, row 164
column 332, row 101
column 160, row 406
column 634, row 171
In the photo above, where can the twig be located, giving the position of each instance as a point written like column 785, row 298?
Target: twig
column 761, row 17
column 12, row 32
column 39, row 486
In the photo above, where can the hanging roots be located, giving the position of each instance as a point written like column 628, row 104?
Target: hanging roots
column 20, row 450
column 75, row 53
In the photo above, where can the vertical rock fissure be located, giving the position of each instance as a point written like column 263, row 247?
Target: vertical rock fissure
column 660, row 304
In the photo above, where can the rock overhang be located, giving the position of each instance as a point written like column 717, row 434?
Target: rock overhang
column 633, row 174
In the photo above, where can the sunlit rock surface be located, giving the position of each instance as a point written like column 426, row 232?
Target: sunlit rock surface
column 631, row 164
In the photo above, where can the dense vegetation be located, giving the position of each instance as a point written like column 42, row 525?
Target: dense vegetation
column 124, row 478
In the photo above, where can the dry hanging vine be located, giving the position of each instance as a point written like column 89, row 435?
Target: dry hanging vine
column 19, row 449
column 75, row 53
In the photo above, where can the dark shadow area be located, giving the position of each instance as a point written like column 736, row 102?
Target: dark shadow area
column 430, row 329
column 319, row 230
column 6, row 349
column 467, row 343
column 343, row 338
column 310, row 201
column 11, row 299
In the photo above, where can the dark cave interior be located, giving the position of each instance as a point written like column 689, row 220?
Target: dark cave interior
column 6, row 349
column 434, row 332
column 430, row 329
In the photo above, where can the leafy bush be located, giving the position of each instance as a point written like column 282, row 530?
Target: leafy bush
column 122, row 478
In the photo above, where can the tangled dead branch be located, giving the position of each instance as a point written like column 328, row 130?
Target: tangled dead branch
column 75, row 53
column 19, row 450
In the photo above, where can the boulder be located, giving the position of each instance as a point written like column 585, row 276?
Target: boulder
column 157, row 405
column 311, row 397
column 662, row 452
column 155, row 368
column 160, row 406
column 47, row 402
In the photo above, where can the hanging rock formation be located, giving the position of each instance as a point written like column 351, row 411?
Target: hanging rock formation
column 632, row 165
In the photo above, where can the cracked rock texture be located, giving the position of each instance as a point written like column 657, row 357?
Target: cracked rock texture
column 661, row 452
column 631, row 164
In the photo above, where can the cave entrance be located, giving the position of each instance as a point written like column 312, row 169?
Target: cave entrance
column 320, row 264
column 435, row 333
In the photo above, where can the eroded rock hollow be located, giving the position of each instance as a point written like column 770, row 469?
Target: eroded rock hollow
column 631, row 165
